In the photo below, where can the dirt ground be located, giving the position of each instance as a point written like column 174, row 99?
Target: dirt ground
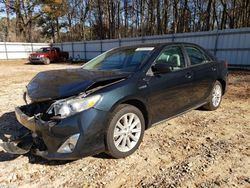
column 198, row 149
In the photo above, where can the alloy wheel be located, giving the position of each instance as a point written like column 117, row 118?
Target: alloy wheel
column 127, row 132
column 216, row 95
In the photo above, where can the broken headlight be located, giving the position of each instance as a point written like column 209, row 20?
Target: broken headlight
column 69, row 107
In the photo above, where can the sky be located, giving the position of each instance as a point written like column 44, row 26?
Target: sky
column 3, row 13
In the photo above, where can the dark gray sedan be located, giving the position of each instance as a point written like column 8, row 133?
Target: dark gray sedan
column 108, row 103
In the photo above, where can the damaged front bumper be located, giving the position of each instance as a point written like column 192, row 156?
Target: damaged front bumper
column 20, row 144
column 51, row 138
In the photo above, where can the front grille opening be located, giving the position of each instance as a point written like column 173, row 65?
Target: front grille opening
column 36, row 108
column 39, row 144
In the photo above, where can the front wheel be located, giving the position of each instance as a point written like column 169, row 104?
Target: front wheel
column 46, row 61
column 215, row 97
column 125, row 131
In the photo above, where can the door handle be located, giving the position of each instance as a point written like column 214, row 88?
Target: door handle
column 189, row 75
column 146, row 79
column 213, row 68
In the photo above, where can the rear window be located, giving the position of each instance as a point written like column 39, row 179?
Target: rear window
column 195, row 56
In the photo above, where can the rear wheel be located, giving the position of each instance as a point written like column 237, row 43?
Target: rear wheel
column 215, row 97
column 125, row 131
column 46, row 61
column 64, row 59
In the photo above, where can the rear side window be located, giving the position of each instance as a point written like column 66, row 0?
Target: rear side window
column 57, row 49
column 195, row 55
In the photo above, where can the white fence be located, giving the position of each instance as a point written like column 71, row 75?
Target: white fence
column 18, row 50
column 232, row 45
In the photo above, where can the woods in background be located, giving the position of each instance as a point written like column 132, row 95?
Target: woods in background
column 76, row 20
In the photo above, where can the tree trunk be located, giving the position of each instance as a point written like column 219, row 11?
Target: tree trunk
column 19, row 31
column 7, row 6
column 100, row 19
column 126, row 17
column 118, row 19
column 208, row 13
column 224, row 15
column 142, row 18
column 158, row 12
column 29, row 37
column 176, row 16
column 165, row 16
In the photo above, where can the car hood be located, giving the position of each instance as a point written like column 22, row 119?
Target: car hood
column 56, row 84
column 37, row 53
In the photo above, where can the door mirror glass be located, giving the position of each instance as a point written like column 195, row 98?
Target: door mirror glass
column 161, row 68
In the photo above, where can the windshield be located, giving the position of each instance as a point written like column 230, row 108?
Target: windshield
column 124, row 60
column 43, row 50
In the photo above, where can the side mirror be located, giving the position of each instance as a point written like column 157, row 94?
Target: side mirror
column 161, row 68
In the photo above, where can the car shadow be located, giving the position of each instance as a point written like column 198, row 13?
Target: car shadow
column 201, row 109
column 29, row 63
column 103, row 156
column 4, row 156
column 33, row 159
column 9, row 127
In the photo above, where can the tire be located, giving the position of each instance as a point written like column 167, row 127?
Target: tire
column 127, row 140
column 215, row 97
column 46, row 61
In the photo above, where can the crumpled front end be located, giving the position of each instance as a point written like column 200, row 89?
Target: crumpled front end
column 57, row 139
column 27, row 139
column 61, row 120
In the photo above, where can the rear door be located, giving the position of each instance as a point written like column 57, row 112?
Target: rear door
column 170, row 92
column 54, row 54
column 58, row 55
column 204, row 72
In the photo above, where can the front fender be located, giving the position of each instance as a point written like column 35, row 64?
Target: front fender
column 117, row 95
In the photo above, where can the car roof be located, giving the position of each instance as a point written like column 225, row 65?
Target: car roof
column 50, row 47
column 158, row 44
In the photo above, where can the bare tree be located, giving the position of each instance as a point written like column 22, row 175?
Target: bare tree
column 69, row 20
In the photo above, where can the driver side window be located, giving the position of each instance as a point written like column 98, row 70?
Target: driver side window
column 173, row 57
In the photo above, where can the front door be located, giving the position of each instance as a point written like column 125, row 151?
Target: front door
column 170, row 92
column 52, row 54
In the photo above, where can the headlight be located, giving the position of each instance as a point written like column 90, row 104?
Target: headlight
column 69, row 107
column 41, row 56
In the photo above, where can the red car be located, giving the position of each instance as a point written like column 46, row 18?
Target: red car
column 48, row 54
